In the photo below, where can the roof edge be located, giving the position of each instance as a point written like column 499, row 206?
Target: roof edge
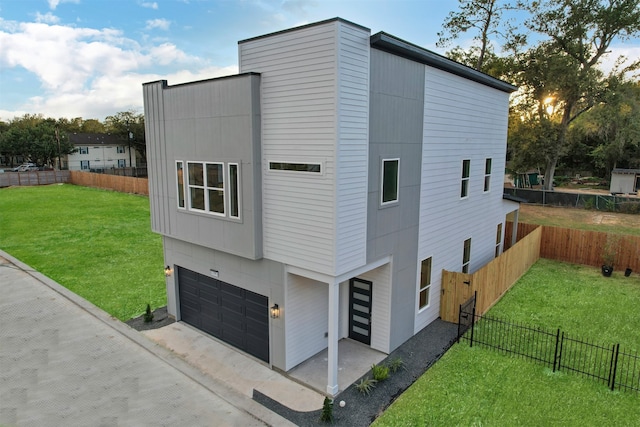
column 313, row 24
column 394, row 45
column 165, row 85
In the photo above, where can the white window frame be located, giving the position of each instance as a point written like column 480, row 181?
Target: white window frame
column 180, row 163
column 83, row 150
column 466, row 255
column 191, row 186
column 122, row 163
column 498, row 240
column 488, row 164
column 465, row 180
column 121, row 149
column 208, row 188
column 425, row 287
column 234, row 189
column 82, row 164
column 382, row 186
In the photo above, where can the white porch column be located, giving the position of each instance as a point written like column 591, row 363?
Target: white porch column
column 514, row 233
column 334, row 308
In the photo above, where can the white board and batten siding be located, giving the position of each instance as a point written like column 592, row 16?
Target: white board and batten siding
column 462, row 120
column 314, row 105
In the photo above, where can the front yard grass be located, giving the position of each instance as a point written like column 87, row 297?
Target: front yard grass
column 481, row 387
column 96, row 243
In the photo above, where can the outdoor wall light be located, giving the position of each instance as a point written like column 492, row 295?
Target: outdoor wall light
column 275, row 311
column 167, row 271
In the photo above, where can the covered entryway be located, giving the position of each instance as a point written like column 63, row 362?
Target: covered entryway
column 234, row 315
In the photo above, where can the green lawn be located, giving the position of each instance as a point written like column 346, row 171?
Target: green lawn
column 481, row 387
column 94, row 242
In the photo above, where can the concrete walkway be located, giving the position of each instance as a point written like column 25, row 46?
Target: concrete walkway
column 64, row 361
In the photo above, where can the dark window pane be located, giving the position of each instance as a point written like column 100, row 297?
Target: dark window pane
column 390, row 181
column 215, row 176
column 233, row 191
column 197, row 198
column 196, row 176
column 216, row 201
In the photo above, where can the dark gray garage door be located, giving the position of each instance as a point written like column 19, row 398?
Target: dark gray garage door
column 232, row 314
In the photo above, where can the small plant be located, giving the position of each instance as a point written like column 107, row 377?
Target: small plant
column 395, row 364
column 366, row 385
column 148, row 315
column 379, row 372
column 327, row 411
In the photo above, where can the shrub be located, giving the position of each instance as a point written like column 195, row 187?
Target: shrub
column 379, row 372
column 148, row 315
column 327, row 411
column 395, row 364
column 366, row 385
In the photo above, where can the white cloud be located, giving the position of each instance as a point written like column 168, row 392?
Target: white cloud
column 53, row 4
column 91, row 73
column 47, row 18
column 150, row 5
column 162, row 24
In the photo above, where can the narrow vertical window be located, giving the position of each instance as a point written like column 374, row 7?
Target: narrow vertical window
column 466, row 167
column 196, row 186
column 466, row 256
column 390, row 181
column 425, row 283
column 215, row 187
column 498, row 239
column 234, row 191
column 180, row 180
column 487, row 175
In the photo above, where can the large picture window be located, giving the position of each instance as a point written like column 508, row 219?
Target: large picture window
column 466, row 169
column 425, row 283
column 212, row 187
column 390, row 181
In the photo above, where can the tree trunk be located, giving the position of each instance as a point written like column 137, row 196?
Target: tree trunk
column 549, row 173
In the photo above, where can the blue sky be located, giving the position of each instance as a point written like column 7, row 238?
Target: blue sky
column 89, row 58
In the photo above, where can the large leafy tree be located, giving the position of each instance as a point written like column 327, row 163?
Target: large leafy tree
column 580, row 33
column 38, row 139
column 484, row 19
column 129, row 127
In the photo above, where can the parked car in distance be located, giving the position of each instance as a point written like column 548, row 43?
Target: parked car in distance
column 25, row 167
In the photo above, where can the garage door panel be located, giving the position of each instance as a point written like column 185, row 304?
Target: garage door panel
column 230, row 313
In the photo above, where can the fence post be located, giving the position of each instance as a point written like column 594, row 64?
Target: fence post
column 560, row 353
column 459, row 321
column 615, row 351
column 473, row 321
column 555, row 354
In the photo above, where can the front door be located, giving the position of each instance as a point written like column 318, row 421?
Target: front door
column 360, row 310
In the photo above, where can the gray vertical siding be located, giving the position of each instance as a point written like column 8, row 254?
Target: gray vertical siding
column 396, row 107
column 215, row 120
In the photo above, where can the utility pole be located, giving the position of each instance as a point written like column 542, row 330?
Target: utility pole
column 58, row 139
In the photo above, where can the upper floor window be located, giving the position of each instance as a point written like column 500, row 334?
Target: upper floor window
column 120, row 149
column 466, row 256
column 83, row 150
column 425, row 283
column 180, row 176
column 209, row 187
column 464, row 187
column 296, row 167
column 487, row 175
column 234, row 190
column 390, row 181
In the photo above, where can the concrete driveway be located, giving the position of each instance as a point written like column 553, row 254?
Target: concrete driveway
column 64, row 361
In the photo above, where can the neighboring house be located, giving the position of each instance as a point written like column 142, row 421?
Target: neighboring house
column 328, row 184
column 98, row 151
column 625, row 181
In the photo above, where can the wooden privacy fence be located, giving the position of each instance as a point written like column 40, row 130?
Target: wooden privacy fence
column 9, row 179
column 491, row 281
column 583, row 246
column 124, row 184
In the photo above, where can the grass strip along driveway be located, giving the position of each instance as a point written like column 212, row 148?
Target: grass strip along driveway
column 481, row 387
column 96, row 243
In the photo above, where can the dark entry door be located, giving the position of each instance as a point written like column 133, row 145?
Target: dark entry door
column 235, row 315
column 360, row 310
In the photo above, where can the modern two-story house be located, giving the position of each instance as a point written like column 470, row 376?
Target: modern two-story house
column 318, row 194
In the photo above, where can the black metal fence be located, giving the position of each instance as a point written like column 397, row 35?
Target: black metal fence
column 609, row 203
column 610, row 365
